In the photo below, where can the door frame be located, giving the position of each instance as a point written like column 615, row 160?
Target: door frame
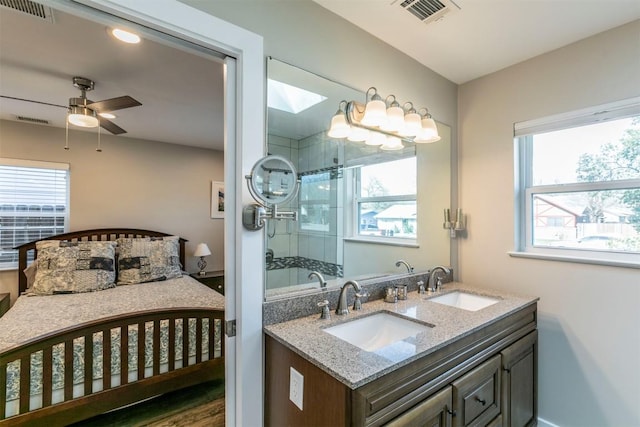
column 244, row 145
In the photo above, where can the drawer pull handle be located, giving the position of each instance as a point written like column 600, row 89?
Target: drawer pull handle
column 482, row 401
column 450, row 412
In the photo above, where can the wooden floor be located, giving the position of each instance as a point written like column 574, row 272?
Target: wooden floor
column 198, row 406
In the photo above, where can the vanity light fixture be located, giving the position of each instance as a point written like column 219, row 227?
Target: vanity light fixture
column 458, row 224
column 125, row 36
column 383, row 123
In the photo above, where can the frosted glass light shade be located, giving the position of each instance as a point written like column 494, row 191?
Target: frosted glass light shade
column 429, row 131
column 375, row 113
column 358, row 134
column 339, row 127
column 395, row 119
column 412, row 124
column 83, row 120
column 202, row 250
column 376, row 138
column 392, row 143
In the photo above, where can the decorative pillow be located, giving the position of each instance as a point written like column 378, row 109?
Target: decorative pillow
column 71, row 267
column 30, row 273
column 148, row 259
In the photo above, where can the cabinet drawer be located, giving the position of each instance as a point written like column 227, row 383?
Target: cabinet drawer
column 476, row 395
column 433, row 412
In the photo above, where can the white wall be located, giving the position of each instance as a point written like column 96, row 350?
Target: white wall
column 589, row 316
column 308, row 36
column 132, row 183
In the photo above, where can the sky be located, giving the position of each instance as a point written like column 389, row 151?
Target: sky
column 556, row 154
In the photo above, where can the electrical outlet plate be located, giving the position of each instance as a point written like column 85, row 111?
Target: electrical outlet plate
column 296, row 387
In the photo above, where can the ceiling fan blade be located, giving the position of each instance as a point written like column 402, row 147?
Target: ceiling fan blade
column 110, row 126
column 113, row 104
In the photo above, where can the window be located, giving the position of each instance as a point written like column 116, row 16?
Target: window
column 34, row 200
column 579, row 184
column 385, row 199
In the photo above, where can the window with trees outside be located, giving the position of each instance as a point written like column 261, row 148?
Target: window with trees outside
column 578, row 190
column 34, row 200
column 385, row 199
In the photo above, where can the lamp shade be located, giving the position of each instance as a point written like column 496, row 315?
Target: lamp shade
column 202, row 250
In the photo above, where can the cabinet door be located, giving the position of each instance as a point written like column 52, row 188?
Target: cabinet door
column 433, row 412
column 476, row 395
column 519, row 384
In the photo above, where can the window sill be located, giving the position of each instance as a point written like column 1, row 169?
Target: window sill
column 575, row 259
column 387, row 241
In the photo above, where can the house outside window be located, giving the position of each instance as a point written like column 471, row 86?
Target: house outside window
column 34, row 201
column 578, row 192
column 385, row 199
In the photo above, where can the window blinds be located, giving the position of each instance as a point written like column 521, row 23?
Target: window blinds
column 34, row 199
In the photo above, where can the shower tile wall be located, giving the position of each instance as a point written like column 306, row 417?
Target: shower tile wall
column 308, row 246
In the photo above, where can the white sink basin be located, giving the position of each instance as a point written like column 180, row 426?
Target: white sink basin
column 465, row 301
column 372, row 333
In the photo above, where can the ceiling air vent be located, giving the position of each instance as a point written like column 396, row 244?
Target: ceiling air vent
column 429, row 10
column 32, row 120
column 29, row 7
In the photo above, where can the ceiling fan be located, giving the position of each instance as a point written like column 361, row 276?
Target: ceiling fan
column 86, row 113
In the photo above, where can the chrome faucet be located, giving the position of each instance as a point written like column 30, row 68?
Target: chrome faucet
column 342, row 307
column 318, row 275
column 435, row 280
column 406, row 264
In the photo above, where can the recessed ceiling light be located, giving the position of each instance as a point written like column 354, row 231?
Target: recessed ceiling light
column 107, row 115
column 125, row 36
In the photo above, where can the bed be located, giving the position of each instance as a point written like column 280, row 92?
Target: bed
column 68, row 353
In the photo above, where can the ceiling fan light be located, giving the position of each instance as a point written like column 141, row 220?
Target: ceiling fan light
column 83, row 117
column 107, row 115
column 125, row 36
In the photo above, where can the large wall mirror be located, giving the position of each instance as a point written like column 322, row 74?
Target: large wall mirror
column 326, row 239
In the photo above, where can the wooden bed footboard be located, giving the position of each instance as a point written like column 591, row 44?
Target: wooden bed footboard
column 137, row 333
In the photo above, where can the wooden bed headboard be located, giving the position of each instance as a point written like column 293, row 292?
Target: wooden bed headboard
column 99, row 234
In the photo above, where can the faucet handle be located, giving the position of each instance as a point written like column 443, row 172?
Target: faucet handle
column 357, row 303
column 325, row 313
column 421, row 288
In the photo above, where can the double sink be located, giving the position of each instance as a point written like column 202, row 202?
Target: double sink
column 392, row 335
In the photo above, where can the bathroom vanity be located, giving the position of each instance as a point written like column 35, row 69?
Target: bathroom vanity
column 468, row 363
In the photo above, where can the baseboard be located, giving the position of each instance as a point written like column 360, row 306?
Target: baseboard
column 545, row 423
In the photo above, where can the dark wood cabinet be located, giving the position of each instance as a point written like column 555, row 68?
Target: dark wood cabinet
column 476, row 395
column 433, row 412
column 487, row 378
column 519, row 372
column 213, row 279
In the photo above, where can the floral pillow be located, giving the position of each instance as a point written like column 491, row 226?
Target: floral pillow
column 73, row 267
column 148, row 259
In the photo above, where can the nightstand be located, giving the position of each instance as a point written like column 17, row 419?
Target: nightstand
column 5, row 302
column 213, row 279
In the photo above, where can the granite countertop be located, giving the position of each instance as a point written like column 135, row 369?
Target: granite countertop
column 355, row 367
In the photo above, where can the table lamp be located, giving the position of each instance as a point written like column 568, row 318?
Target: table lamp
column 202, row 250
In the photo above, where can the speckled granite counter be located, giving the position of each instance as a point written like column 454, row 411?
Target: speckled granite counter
column 355, row 367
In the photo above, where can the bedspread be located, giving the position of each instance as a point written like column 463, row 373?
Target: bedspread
column 33, row 316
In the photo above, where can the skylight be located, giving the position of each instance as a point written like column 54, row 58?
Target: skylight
column 291, row 99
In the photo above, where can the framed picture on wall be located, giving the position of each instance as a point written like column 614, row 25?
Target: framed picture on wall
column 217, row 199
